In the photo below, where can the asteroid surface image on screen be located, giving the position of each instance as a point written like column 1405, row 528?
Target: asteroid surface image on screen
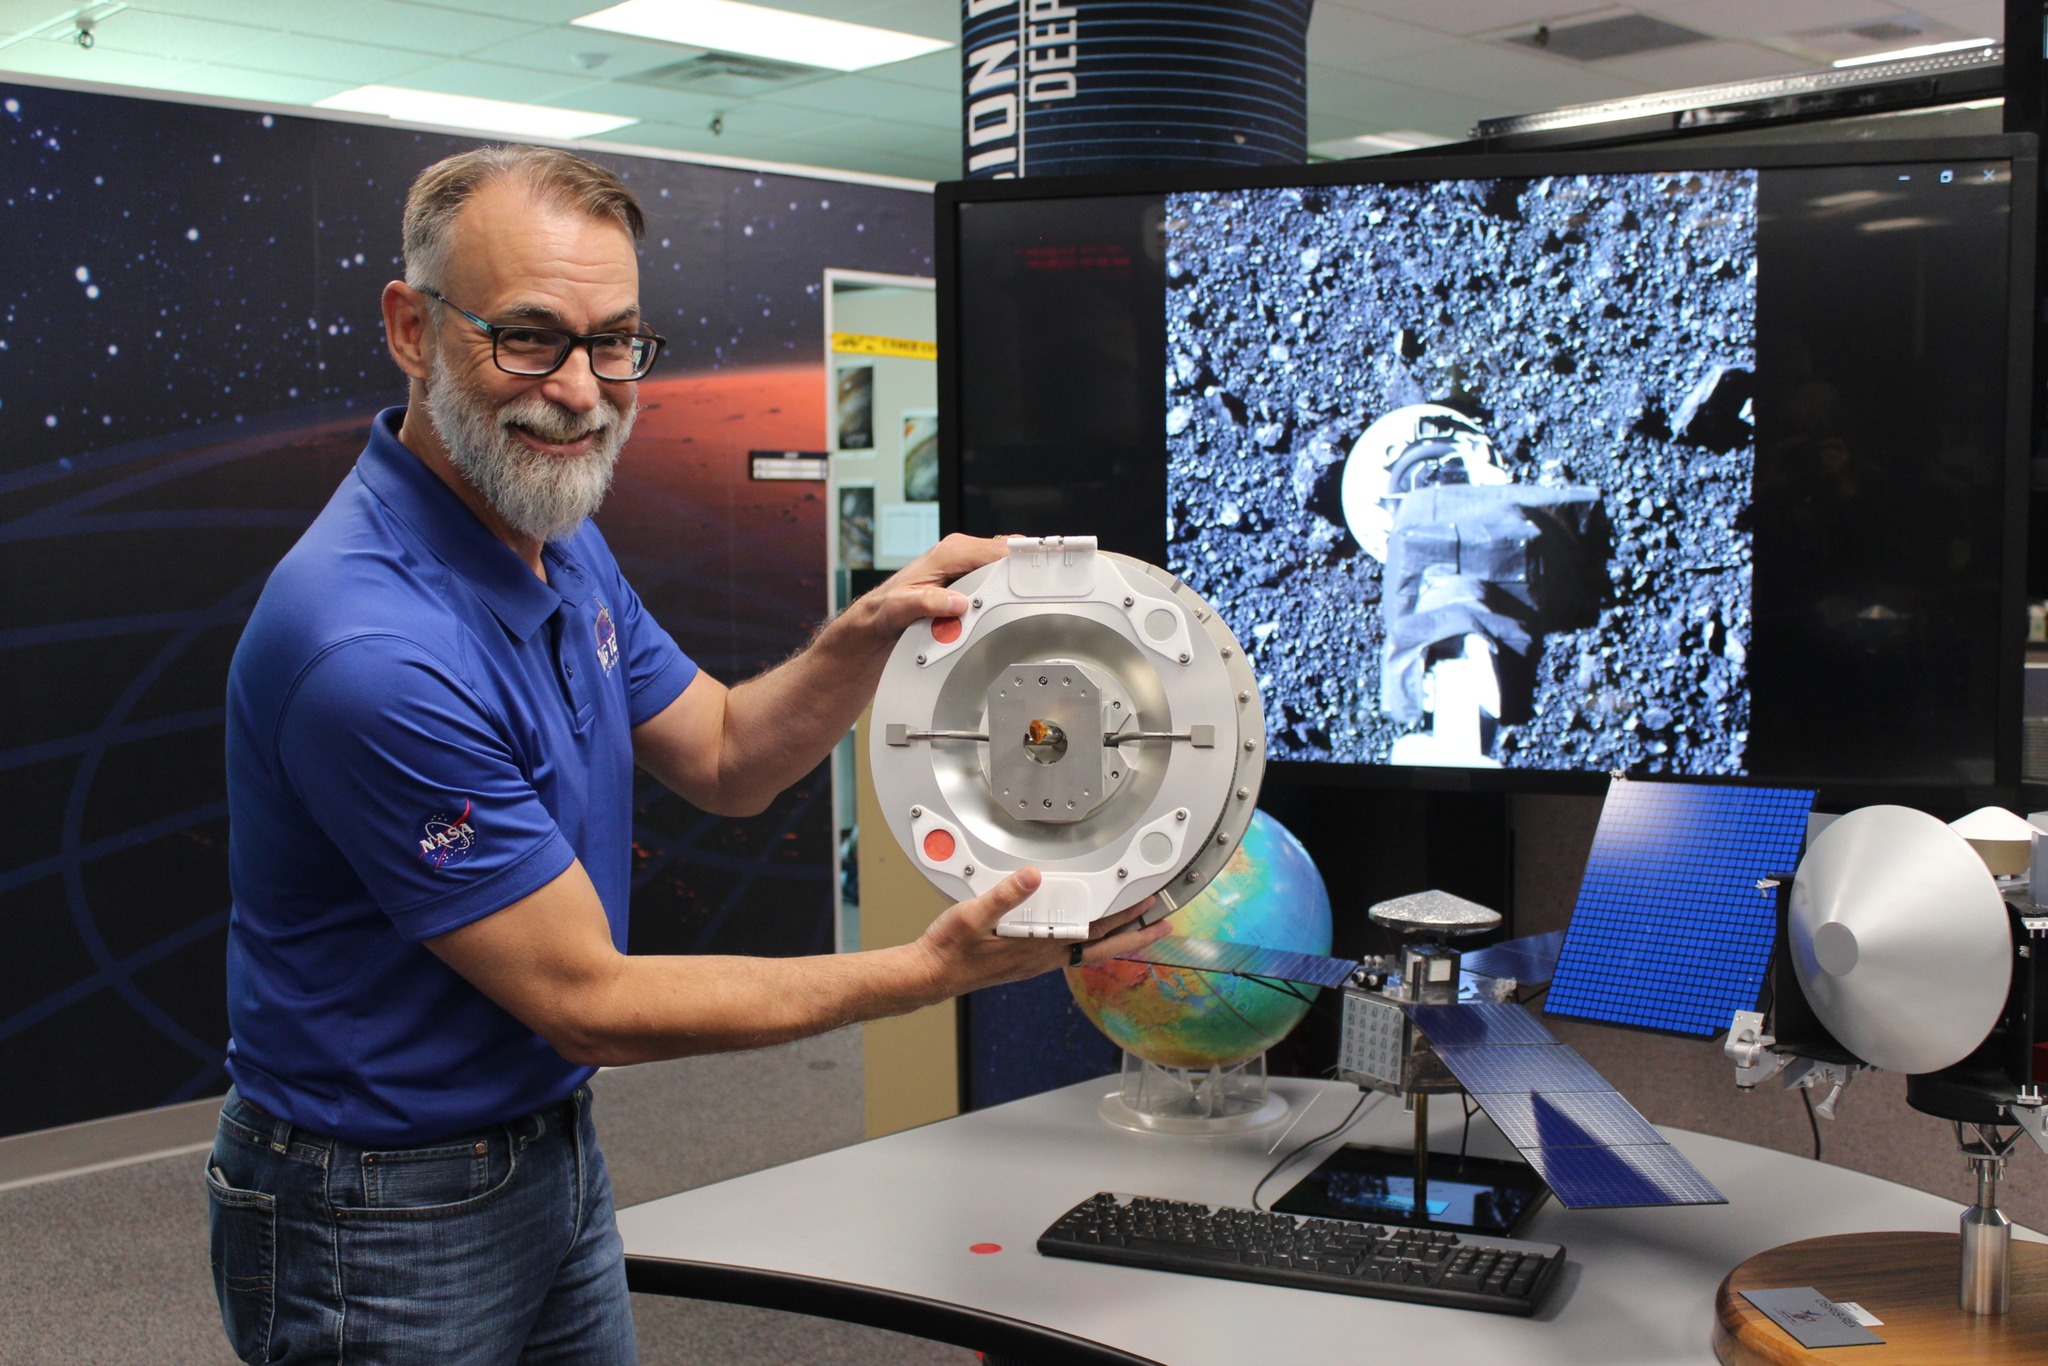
column 1467, row 464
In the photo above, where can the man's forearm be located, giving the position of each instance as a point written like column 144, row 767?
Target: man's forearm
column 781, row 724
column 667, row 1007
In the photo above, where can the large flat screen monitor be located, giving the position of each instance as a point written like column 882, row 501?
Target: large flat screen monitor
column 1518, row 471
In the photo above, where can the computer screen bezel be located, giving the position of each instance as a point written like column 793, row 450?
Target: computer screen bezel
column 2019, row 150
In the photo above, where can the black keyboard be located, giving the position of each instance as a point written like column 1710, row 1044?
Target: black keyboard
column 1455, row 1270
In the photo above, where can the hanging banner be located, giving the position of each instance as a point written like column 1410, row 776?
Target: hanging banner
column 1070, row 87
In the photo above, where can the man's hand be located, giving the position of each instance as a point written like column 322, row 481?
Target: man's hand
column 967, row 954
column 918, row 590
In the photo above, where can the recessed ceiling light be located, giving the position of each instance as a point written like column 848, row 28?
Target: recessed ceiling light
column 758, row 31
column 1924, row 50
column 464, row 111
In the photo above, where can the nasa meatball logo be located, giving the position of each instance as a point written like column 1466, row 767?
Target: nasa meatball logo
column 446, row 840
column 607, row 639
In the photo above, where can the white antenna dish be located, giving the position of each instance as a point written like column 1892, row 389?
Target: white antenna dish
column 2004, row 841
column 1900, row 939
column 1090, row 716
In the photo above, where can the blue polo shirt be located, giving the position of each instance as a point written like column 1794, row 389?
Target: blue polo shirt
column 420, row 732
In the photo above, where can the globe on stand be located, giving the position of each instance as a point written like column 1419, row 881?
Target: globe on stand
column 1195, row 1042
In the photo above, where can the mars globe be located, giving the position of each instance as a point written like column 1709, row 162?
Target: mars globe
column 1269, row 894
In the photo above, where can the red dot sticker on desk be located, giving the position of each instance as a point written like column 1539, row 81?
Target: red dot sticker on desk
column 985, row 1248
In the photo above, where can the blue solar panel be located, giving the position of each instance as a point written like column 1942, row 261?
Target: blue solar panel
column 1670, row 931
column 1589, row 1145
column 1529, row 960
column 1521, row 1067
column 1636, row 1174
column 1480, row 1022
column 1567, row 1119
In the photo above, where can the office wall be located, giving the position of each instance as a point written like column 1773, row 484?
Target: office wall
column 190, row 353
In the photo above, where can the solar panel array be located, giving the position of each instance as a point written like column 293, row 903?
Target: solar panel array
column 1245, row 960
column 1590, row 1146
column 1671, row 931
column 1529, row 960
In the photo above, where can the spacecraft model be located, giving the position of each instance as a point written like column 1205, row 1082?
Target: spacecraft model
column 1090, row 716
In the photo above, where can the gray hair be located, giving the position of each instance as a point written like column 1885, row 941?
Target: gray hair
column 557, row 178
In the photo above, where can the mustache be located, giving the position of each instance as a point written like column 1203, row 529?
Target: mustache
column 551, row 422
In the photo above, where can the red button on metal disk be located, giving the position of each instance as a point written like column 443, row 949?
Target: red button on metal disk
column 938, row 845
column 945, row 630
column 985, row 1248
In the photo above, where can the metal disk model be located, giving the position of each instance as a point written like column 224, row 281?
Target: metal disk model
column 1090, row 716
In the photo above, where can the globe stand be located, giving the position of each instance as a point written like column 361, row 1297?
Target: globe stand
column 1224, row 1099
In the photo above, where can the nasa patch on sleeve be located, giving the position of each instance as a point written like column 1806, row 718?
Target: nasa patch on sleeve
column 446, row 839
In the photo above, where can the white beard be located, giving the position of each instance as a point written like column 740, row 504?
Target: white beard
column 542, row 496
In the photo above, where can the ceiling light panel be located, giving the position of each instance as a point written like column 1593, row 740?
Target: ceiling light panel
column 466, row 111
column 758, row 31
column 1923, row 50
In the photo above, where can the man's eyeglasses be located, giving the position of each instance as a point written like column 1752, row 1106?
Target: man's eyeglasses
column 531, row 352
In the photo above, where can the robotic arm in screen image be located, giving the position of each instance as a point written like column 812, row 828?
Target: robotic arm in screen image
column 1478, row 569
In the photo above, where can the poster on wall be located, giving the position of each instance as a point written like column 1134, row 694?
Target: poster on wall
column 191, row 351
column 856, row 407
column 857, row 526
column 921, row 455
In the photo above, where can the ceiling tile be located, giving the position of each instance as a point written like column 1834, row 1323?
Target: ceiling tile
column 39, row 57
column 1676, row 68
column 647, row 102
column 930, row 18
column 295, row 54
column 905, row 139
column 175, row 37
column 419, row 28
column 868, row 95
column 1981, row 18
column 937, row 71
column 1771, row 18
column 532, row 11
column 32, row 16
column 1345, row 37
column 763, row 117
column 490, row 81
column 229, row 83
column 277, row 14
column 559, row 49
column 1479, row 16
column 1504, row 75
column 1354, row 105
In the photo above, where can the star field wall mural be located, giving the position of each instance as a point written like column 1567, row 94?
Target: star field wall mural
column 191, row 351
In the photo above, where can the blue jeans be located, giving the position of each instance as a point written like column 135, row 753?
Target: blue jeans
column 483, row 1249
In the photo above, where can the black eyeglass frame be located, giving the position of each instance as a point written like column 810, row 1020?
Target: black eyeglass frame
column 570, row 341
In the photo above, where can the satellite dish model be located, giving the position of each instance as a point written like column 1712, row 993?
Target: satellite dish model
column 1907, row 953
column 1899, row 939
column 1090, row 716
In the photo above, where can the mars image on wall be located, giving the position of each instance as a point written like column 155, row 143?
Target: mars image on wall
column 191, row 351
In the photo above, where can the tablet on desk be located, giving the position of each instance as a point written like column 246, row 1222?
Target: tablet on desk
column 1377, row 1185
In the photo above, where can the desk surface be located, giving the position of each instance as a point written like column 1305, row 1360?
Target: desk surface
column 881, row 1232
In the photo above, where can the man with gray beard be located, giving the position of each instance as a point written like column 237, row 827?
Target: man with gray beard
column 434, row 719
